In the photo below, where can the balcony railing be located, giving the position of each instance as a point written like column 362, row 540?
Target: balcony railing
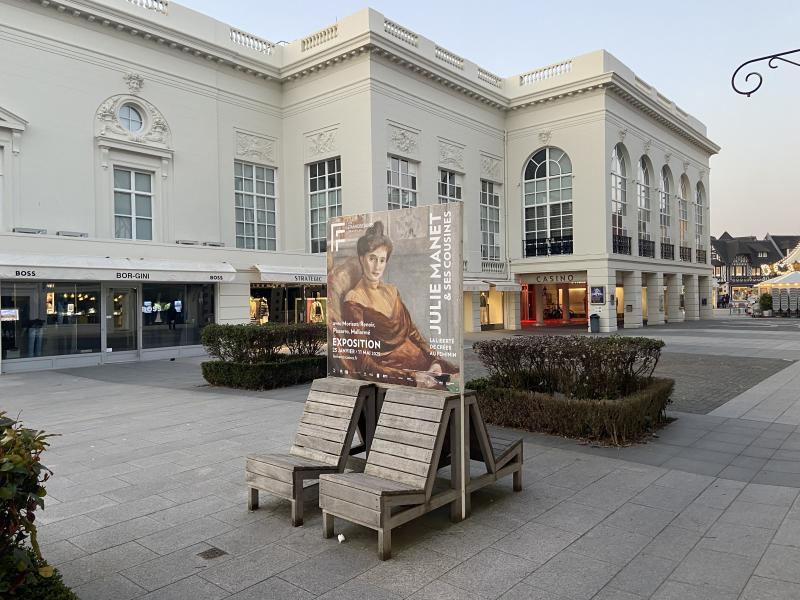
column 647, row 248
column 496, row 267
column 622, row 244
column 547, row 247
column 701, row 256
column 686, row 254
column 667, row 251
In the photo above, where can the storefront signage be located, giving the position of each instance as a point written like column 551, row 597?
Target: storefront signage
column 395, row 296
column 94, row 274
column 310, row 278
column 301, row 275
column 544, row 278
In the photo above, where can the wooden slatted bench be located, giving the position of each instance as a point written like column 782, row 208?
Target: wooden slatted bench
column 397, row 484
column 322, row 444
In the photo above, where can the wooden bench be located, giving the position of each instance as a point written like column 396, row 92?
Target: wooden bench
column 336, row 409
column 397, row 484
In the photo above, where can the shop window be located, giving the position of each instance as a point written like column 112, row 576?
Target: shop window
column 175, row 314
column 449, row 186
column 49, row 319
column 401, row 183
column 254, row 205
column 325, row 199
column 280, row 303
column 133, row 204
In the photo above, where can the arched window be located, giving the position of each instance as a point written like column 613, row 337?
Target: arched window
column 547, row 185
column 664, row 216
column 699, row 219
column 619, row 184
column 643, row 199
column 683, row 211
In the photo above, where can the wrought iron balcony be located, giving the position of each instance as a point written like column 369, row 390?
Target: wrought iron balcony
column 561, row 245
column 686, row 254
column 667, row 251
column 647, row 248
column 701, row 256
column 622, row 244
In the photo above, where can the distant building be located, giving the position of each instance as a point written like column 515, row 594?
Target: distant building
column 741, row 263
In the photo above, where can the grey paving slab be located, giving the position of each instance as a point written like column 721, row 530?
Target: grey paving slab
column 490, row 573
column 760, row 588
column 643, row 575
column 611, row 543
column 104, row 563
column 673, row 543
column 678, row 590
column 114, row 535
column 721, row 570
column 439, row 590
column 536, row 542
column 574, row 517
column 357, row 590
column 164, row 570
column 166, row 541
column 191, row 588
column 317, row 574
column 754, row 514
column 407, row 572
column 636, row 518
column 273, row 588
column 573, row 575
column 780, row 562
column 737, row 539
column 114, row 586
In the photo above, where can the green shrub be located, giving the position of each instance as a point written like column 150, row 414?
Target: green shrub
column 38, row 587
column 765, row 302
column 618, row 421
column 21, row 493
column 281, row 372
column 251, row 344
column 575, row 366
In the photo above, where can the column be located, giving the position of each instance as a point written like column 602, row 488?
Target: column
column 512, row 310
column 565, row 303
column 655, row 299
column 233, row 302
column 538, row 295
column 607, row 279
column 691, row 299
column 674, row 288
column 632, row 286
column 706, row 297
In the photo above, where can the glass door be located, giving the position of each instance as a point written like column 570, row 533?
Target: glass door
column 121, row 323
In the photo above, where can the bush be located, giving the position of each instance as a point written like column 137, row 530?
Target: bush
column 765, row 302
column 252, row 344
column 281, row 372
column 618, row 421
column 575, row 366
column 38, row 588
column 21, row 493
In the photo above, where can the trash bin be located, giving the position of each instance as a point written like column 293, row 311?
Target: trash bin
column 594, row 323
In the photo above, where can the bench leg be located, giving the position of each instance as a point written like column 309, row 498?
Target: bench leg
column 384, row 543
column 327, row 525
column 252, row 499
column 518, row 480
column 297, row 503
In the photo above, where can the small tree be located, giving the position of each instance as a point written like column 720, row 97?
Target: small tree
column 765, row 302
column 21, row 493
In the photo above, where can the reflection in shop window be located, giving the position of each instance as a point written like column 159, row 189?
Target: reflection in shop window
column 281, row 303
column 175, row 314
column 49, row 319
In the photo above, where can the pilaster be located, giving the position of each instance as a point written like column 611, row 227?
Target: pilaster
column 655, row 298
column 632, row 310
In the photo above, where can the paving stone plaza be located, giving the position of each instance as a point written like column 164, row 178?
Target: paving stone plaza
column 149, row 475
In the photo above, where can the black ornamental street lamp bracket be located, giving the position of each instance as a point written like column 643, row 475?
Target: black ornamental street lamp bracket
column 773, row 61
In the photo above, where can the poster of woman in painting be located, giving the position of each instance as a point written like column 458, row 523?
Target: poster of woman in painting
column 394, row 297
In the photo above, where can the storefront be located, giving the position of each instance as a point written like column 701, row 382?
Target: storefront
column 58, row 312
column 553, row 298
column 289, row 295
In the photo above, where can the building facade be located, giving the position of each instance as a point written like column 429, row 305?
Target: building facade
column 160, row 170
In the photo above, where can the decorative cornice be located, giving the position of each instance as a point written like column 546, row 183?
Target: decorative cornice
column 155, row 131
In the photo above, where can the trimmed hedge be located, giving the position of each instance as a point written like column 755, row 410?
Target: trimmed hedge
column 282, row 371
column 36, row 586
column 252, row 344
column 618, row 421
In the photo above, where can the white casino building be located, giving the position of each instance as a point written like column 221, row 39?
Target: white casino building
column 160, row 170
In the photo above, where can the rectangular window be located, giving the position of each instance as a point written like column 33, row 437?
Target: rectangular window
column 254, row 204
column 325, row 198
column 699, row 218
column 401, row 183
column 644, row 210
column 490, row 220
column 174, row 314
column 664, row 216
column 449, row 186
column 683, row 216
column 619, row 204
column 133, row 204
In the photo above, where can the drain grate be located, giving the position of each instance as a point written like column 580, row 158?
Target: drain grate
column 212, row 553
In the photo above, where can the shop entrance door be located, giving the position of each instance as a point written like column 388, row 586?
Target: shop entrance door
column 121, row 324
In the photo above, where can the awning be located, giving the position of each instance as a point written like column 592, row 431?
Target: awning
column 790, row 279
column 505, row 286
column 298, row 275
column 475, row 285
column 98, row 268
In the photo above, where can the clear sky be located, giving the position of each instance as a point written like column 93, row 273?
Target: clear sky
column 688, row 50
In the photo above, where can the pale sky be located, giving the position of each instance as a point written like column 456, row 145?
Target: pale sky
column 688, row 50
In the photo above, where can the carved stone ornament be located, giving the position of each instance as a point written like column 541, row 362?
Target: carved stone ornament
column 134, row 82
column 622, row 134
column 667, row 157
column 403, row 140
column 154, row 131
column 647, row 146
column 451, row 155
column 544, row 136
column 702, row 175
column 491, row 167
column 323, row 142
column 255, row 148
column 685, row 166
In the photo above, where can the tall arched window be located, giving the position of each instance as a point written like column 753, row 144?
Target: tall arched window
column 700, row 216
column 664, row 216
column 643, row 199
column 619, row 184
column 683, row 211
column 547, row 192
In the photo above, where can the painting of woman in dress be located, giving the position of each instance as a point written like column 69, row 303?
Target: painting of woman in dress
column 405, row 356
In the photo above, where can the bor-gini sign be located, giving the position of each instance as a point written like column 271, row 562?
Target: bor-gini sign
column 395, row 296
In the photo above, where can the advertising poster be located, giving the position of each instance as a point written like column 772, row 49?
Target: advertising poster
column 394, row 304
